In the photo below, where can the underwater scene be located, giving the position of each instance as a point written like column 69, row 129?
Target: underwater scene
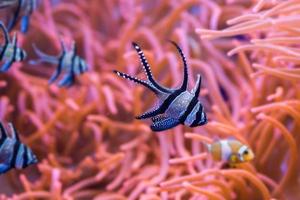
column 149, row 99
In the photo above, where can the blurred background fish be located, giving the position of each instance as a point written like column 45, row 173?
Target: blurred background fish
column 68, row 61
column 9, row 51
column 13, row 153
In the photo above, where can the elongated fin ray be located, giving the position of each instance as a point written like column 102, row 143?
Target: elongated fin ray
column 136, row 80
column 164, row 124
column 196, row 89
column 147, row 69
column 185, row 67
column 16, row 15
column 43, row 56
column 149, row 114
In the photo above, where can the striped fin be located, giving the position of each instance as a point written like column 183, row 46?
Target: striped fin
column 185, row 67
column 147, row 69
column 136, row 80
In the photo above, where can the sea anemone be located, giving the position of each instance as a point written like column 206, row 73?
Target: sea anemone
column 86, row 137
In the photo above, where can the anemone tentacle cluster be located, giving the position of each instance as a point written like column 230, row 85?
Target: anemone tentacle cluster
column 247, row 52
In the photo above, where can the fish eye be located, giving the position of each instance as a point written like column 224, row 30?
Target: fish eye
column 246, row 152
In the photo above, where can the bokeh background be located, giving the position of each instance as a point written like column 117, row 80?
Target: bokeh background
column 86, row 137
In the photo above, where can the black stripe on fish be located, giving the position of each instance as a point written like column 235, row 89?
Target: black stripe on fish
column 3, row 134
column 147, row 69
column 198, row 116
column 25, row 157
column 58, row 69
column 163, row 107
column 14, row 154
column 189, row 109
column 15, row 42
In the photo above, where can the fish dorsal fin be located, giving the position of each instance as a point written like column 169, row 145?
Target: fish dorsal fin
column 63, row 46
column 196, row 89
column 14, row 132
column 74, row 48
column 147, row 69
column 185, row 67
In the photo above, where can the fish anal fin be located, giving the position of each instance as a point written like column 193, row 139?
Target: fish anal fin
column 164, row 124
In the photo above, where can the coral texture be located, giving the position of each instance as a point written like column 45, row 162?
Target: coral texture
column 86, row 137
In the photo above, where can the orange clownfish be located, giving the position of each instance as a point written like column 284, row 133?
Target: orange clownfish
column 231, row 151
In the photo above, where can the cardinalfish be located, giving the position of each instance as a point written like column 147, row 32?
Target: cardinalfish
column 176, row 106
column 23, row 9
column 10, row 52
column 68, row 61
column 231, row 151
column 13, row 153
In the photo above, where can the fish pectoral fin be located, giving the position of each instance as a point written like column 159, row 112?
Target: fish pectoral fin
column 55, row 75
column 233, row 159
column 6, row 66
column 67, row 80
column 164, row 124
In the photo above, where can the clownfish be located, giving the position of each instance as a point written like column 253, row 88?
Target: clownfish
column 13, row 153
column 176, row 106
column 231, row 151
column 10, row 52
column 68, row 61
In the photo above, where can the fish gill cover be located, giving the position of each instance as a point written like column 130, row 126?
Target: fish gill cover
column 86, row 138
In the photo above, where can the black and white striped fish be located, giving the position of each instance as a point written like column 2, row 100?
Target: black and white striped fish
column 176, row 106
column 68, row 61
column 23, row 9
column 13, row 153
column 10, row 52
